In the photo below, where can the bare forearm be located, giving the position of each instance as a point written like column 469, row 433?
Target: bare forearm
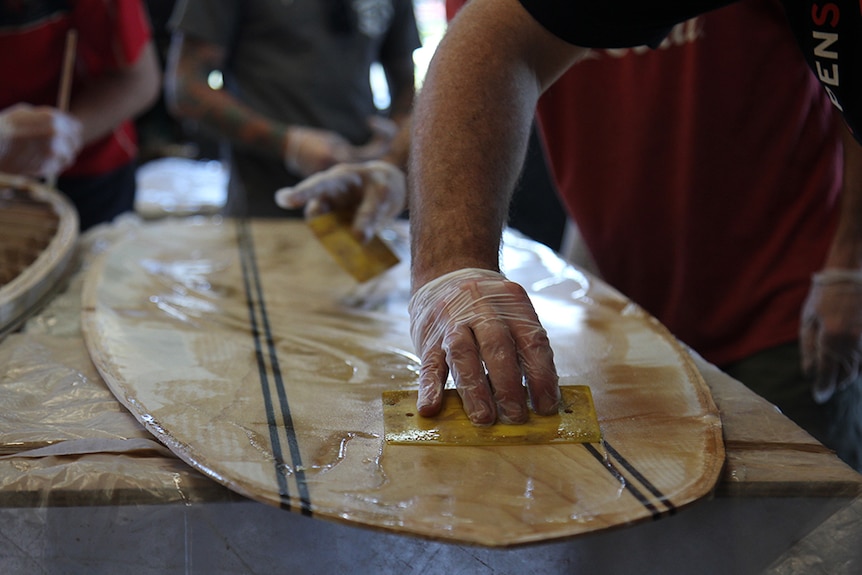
column 106, row 102
column 471, row 126
column 224, row 115
column 189, row 96
column 846, row 250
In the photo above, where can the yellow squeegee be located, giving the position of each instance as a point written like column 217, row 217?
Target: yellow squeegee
column 362, row 261
column 576, row 422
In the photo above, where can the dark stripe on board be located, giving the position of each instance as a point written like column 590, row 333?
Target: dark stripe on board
column 642, row 499
column 640, row 477
column 251, row 280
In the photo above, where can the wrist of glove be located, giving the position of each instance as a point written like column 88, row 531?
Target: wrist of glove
column 383, row 131
column 376, row 192
column 482, row 328
column 831, row 331
column 311, row 150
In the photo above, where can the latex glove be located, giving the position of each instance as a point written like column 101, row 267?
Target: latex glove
column 831, row 331
column 383, row 131
column 37, row 141
column 376, row 191
column 311, row 150
column 483, row 328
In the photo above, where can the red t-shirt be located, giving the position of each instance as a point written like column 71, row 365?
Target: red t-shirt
column 704, row 175
column 111, row 36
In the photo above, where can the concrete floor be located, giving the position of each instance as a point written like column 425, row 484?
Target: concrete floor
column 717, row 536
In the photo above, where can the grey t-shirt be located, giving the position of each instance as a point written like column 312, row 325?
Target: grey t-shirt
column 290, row 60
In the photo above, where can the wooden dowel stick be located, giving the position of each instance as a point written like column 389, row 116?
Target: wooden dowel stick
column 68, row 69
column 64, row 94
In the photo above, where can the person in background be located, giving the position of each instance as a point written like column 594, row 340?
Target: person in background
column 535, row 210
column 296, row 97
column 160, row 134
column 92, row 146
column 651, row 150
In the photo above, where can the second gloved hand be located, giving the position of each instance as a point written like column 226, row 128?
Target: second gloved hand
column 375, row 191
column 37, row 141
column 831, row 331
column 483, row 328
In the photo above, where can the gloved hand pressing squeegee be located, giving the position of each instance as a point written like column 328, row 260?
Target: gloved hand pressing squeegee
column 483, row 328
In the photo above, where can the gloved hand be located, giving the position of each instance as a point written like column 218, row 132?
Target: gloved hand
column 831, row 331
column 484, row 329
column 311, row 150
column 376, row 191
column 37, row 141
column 383, row 132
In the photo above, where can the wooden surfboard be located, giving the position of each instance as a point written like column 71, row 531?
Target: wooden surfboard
column 245, row 349
column 38, row 233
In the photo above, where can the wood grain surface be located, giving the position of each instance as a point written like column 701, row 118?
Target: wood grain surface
column 247, row 351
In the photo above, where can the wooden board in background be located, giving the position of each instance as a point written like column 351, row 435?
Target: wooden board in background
column 252, row 356
column 38, row 234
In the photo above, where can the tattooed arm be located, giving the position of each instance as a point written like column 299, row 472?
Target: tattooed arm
column 189, row 96
column 305, row 150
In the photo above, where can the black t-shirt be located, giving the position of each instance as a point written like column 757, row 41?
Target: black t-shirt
column 829, row 33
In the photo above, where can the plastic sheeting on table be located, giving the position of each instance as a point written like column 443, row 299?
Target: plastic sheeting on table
column 52, row 398
column 145, row 513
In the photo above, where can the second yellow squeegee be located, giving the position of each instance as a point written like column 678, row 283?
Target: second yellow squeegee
column 362, row 261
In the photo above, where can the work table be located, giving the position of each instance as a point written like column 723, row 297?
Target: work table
column 84, row 486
